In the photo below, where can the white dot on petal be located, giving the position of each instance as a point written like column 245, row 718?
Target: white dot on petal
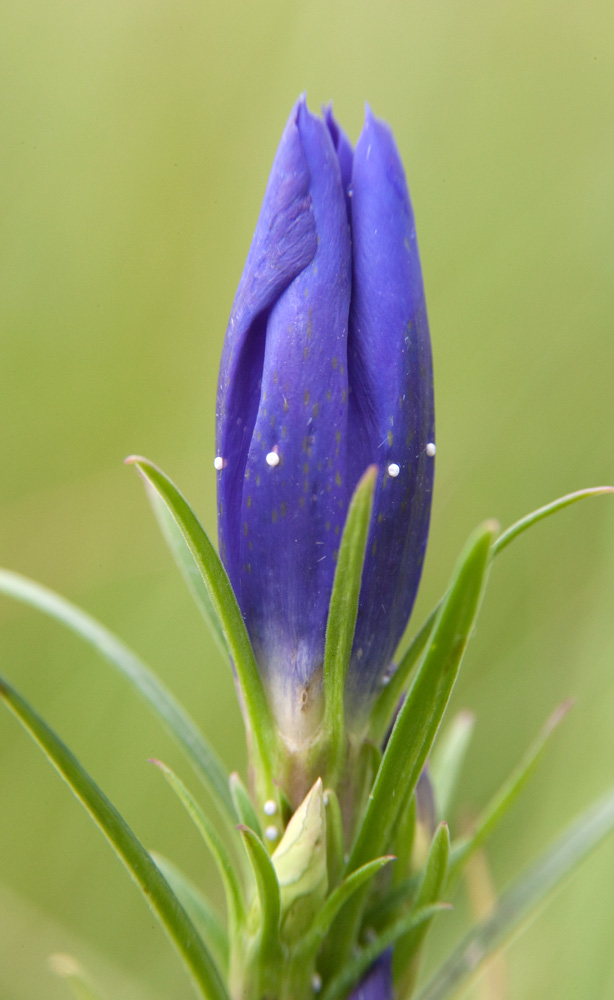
column 430, row 449
column 393, row 470
column 271, row 833
column 270, row 807
column 218, row 463
column 316, row 982
column 272, row 459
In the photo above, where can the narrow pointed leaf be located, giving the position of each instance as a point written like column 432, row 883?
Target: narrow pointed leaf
column 342, row 893
column 342, row 613
column 227, row 610
column 160, row 700
column 507, row 794
column 386, row 704
column 334, row 837
column 447, row 758
column 404, row 838
column 522, row 899
column 185, row 561
column 516, row 529
column 268, row 896
column 223, row 861
column 355, row 968
column 430, row 892
column 131, row 852
column 198, row 909
column 417, row 721
column 244, row 805
column 419, row 718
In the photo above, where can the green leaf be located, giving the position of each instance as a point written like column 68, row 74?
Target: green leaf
column 140, row 865
column 176, row 720
column 386, row 905
column 358, row 965
column 419, row 718
column 430, row 892
column 341, row 621
column 404, row 838
column 198, row 909
column 388, row 700
column 244, row 805
column 185, row 561
column 69, row 969
column 334, row 837
column 340, row 896
column 269, row 910
column 418, row 721
column 507, row 794
column 447, row 758
column 224, row 603
column 232, row 889
column 522, row 899
column 535, row 516
column 386, row 704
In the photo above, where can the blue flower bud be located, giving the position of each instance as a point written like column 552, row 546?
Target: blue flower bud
column 377, row 984
column 326, row 369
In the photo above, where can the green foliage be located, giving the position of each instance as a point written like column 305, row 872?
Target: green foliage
column 143, row 870
column 329, row 901
column 342, row 620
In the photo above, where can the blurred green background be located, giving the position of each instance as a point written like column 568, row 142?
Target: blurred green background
column 137, row 136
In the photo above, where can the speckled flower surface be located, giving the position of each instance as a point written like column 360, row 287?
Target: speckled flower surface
column 326, row 369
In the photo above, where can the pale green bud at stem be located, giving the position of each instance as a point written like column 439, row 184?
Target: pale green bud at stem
column 300, row 864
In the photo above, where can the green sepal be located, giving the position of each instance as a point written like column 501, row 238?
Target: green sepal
column 406, row 950
column 507, row 793
column 419, row 718
column 447, row 758
column 341, row 622
column 216, row 846
column 185, row 561
column 69, row 969
column 264, row 919
column 154, row 887
column 244, row 805
column 173, row 716
column 418, row 721
column 521, row 900
column 262, row 731
column 198, row 908
column 300, row 863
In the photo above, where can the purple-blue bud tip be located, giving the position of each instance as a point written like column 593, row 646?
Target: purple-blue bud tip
column 326, row 369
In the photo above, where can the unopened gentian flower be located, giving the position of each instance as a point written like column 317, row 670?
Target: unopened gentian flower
column 326, row 369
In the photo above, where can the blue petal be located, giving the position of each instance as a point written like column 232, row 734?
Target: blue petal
column 391, row 417
column 293, row 404
column 345, row 154
column 377, row 984
column 284, row 243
